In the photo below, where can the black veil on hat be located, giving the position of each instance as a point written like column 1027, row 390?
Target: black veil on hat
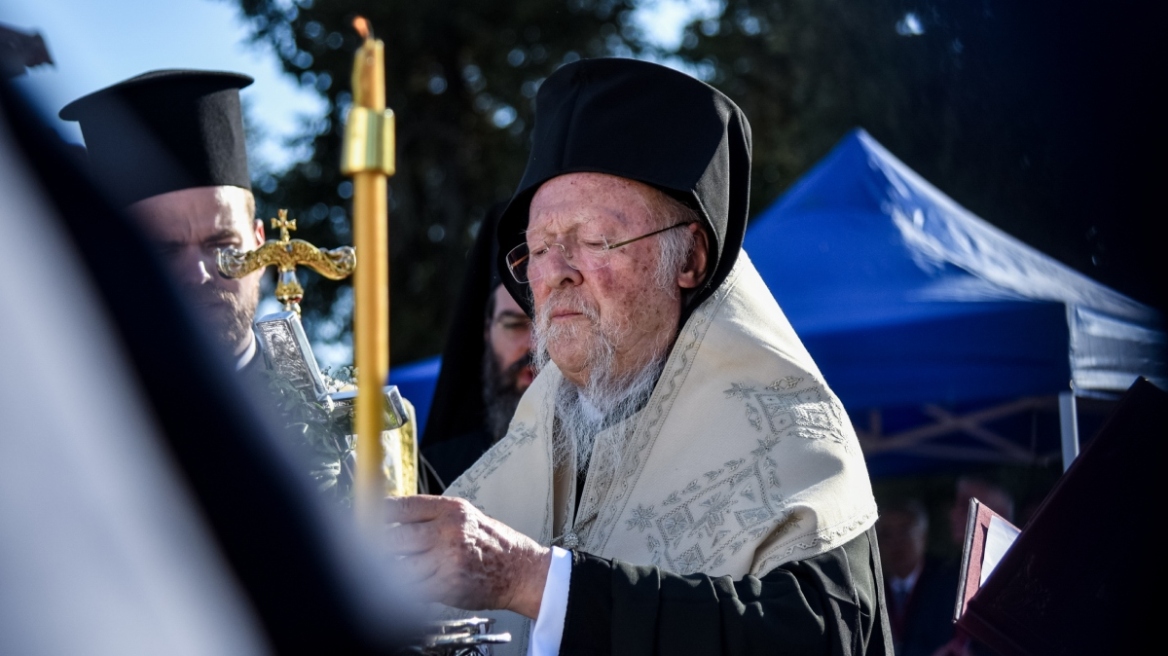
column 163, row 131
column 648, row 123
column 458, row 406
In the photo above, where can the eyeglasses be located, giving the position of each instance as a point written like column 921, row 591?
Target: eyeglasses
column 531, row 262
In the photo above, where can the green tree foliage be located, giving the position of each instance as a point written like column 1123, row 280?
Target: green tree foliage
column 807, row 72
column 461, row 78
column 1031, row 114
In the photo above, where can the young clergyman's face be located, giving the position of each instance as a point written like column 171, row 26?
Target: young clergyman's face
column 188, row 226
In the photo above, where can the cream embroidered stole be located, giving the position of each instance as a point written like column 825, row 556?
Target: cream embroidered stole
column 742, row 460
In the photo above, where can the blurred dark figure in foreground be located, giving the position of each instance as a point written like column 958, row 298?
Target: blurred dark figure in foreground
column 20, row 51
column 919, row 609
column 154, row 509
column 486, row 366
column 169, row 147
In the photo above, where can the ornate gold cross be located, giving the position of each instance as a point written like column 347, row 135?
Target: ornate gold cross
column 286, row 254
column 284, row 224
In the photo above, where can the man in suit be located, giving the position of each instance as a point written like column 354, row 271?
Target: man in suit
column 920, row 599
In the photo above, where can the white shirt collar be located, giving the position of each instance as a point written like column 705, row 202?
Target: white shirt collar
column 248, row 353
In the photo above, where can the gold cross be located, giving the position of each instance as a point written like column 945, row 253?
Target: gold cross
column 283, row 224
column 286, row 254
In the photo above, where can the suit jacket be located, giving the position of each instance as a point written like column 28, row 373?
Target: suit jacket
column 926, row 622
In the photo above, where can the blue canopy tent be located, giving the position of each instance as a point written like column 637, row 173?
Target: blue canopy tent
column 907, row 300
column 416, row 382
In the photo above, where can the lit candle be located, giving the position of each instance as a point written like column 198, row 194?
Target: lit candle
column 368, row 69
column 371, row 281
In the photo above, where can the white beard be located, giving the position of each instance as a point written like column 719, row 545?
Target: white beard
column 605, row 400
column 583, row 413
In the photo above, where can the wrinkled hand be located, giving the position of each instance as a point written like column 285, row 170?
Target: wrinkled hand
column 460, row 557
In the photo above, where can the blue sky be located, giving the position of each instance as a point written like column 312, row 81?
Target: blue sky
column 96, row 43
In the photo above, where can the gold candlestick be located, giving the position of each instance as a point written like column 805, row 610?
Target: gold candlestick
column 369, row 157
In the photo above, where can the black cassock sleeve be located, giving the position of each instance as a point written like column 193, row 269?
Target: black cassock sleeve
column 832, row 603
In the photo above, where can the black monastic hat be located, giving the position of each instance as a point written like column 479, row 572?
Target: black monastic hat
column 164, row 131
column 645, row 122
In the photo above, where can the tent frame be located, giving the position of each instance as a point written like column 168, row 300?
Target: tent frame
column 920, row 441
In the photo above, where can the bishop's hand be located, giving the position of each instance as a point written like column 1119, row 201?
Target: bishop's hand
column 457, row 555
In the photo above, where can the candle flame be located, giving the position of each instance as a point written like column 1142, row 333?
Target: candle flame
column 361, row 24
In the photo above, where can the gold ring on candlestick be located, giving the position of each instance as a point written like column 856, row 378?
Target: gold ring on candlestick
column 369, row 142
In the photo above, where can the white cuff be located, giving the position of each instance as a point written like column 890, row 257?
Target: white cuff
column 553, row 608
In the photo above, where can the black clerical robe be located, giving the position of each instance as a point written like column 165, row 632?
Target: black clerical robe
column 927, row 620
column 832, row 603
column 451, row 457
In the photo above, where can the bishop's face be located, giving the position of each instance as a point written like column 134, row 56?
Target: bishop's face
column 187, row 226
column 620, row 303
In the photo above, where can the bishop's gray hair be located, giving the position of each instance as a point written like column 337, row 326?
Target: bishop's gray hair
column 675, row 247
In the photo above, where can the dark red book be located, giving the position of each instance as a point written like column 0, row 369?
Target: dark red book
column 1085, row 574
column 987, row 537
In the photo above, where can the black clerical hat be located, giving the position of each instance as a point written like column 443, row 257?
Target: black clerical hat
column 164, row 131
column 644, row 122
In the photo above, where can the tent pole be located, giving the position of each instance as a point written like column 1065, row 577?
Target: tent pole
column 1069, row 423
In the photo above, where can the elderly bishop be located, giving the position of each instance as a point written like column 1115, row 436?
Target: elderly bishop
column 679, row 478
